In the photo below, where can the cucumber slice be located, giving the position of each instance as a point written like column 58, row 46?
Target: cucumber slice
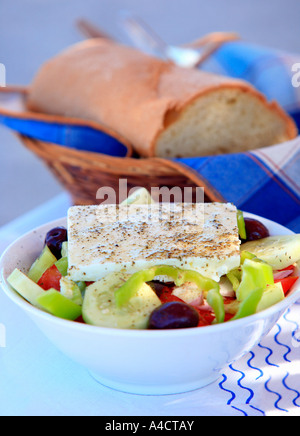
column 100, row 309
column 27, row 288
column 278, row 251
column 55, row 303
column 71, row 290
column 43, row 262
column 273, row 295
column 62, row 266
column 64, row 249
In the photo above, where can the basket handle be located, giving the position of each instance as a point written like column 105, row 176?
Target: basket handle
column 212, row 41
column 91, row 31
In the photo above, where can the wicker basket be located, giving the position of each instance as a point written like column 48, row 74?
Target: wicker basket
column 82, row 173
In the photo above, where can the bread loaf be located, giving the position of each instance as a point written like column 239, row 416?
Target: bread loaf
column 162, row 109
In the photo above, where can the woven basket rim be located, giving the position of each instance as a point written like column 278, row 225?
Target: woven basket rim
column 117, row 166
column 63, row 152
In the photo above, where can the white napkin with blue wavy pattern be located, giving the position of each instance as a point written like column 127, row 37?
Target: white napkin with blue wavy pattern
column 267, row 380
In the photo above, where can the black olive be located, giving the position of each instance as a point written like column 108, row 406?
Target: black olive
column 174, row 315
column 255, row 230
column 54, row 240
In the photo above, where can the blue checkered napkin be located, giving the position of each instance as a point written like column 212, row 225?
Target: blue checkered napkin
column 265, row 182
column 78, row 137
column 275, row 73
column 73, row 133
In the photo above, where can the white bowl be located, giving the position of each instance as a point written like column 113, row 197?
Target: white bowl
column 144, row 361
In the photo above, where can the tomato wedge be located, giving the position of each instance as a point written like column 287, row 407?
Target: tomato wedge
column 206, row 317
column 166, row 296
column 287, row 283
column 50, row 279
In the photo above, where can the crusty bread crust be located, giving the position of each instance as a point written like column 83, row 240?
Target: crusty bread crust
column 134, row 94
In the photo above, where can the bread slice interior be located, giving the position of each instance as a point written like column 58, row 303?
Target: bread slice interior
column 222, row 121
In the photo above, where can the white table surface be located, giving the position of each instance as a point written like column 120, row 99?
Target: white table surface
column 38, row 380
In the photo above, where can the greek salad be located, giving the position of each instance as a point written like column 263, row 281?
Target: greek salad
column 267, row 272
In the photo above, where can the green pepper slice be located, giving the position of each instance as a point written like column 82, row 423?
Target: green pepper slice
column 235, row 277
column 255, row 274
column 179, row 276
column 249, row 305
column 247, row 255
column 241, row 225
column 212, row 291
column 55, row 303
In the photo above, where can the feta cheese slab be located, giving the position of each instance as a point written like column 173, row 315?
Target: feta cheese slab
column 111, row 238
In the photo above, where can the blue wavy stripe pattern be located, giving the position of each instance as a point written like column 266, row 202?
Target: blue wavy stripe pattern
column 252, row 356
column 221, row 384
column 280, row 347
column 240, row 410
column 292, row 390
column 269, row 355
column 233, row 395
column 277, row 394
column 296, row 329
column 243, row 375
column 281, row 344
